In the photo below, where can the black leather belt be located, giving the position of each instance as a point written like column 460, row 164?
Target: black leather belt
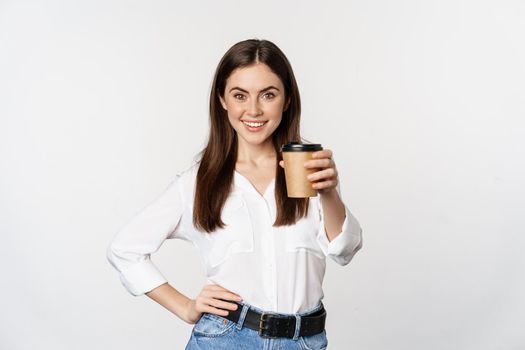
column 272, row 325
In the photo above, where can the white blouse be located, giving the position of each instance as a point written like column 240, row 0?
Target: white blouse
column 279, row 269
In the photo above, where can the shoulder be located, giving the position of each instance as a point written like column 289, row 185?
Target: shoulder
column 189, row 172
column 185, row 179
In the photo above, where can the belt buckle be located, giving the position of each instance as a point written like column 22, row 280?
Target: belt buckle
column 263, row 325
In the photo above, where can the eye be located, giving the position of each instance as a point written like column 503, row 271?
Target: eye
column 238, row 98
column 269, row 95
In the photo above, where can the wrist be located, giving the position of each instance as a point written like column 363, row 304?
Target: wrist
column 187, row 309
column 191, row 314
column 328, row 192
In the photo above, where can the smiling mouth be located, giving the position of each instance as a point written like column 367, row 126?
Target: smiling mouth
column 254, row 124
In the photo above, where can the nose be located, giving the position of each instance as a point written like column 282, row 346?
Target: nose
column 254, row 108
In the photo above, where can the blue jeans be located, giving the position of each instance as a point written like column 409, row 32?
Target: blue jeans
column 214, row 332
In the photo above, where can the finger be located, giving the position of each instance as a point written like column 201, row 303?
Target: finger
column 217, row 304
column 319, row 163
column 325, row 153
column 324, row 184
column 216, row 287
column 221, row 304
column 219, row 292
column 328, row 173
column 214, row 310
column 213, row 302
column 281, row 163
column 227, row 296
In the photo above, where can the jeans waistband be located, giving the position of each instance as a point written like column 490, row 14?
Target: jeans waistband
column 244, row 308
column 303, row 313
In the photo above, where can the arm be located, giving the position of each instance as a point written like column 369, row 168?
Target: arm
column 213, row 298
column 334, row 213
column 174, row 301
column 340, row 235
column 340, row 242
column 130, row 250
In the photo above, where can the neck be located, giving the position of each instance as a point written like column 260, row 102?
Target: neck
column 256, row 155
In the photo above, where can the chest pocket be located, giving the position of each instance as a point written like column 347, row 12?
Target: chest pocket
column 236, row 236
column 302, row 237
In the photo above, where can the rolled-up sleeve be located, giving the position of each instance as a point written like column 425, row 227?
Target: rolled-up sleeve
column 344, row 246
column 130, row 249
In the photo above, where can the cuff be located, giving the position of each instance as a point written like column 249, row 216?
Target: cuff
column 142, row 277
column 344, row 246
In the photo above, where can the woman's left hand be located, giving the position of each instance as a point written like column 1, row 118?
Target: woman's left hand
column 325, row 180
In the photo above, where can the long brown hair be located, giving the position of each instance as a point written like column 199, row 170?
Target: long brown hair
column 217, row 160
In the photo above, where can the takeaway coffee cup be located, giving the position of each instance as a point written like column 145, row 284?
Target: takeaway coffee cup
column 295, row 154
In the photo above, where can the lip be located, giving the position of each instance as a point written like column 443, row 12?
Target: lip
column 253, row 121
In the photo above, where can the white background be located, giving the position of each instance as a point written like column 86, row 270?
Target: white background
column 422, row 103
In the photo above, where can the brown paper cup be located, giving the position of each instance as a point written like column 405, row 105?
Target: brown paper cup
column 294, row 156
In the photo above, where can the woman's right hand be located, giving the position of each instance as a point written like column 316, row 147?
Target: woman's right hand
column 209, row 301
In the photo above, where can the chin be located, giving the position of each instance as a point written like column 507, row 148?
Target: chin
column 254, row 140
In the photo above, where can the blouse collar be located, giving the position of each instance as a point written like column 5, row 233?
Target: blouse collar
column 242, row 182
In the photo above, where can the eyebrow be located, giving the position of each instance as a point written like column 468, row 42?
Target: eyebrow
column 267, row 88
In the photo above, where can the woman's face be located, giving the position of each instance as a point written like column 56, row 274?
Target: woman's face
column 254, row 99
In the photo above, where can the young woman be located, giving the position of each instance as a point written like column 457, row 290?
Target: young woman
column 264, row 253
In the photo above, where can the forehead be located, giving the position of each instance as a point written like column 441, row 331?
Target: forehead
column 254, row 77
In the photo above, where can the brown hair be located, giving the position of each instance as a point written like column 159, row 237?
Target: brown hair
column 217, row 160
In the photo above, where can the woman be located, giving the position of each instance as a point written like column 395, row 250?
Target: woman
column 264, row 253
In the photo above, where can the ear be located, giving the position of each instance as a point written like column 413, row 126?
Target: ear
column 223, row 103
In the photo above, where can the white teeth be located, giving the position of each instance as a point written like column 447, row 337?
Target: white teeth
column 253, row 125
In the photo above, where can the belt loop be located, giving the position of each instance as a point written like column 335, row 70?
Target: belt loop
column 244, row 311
column 297, row 327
